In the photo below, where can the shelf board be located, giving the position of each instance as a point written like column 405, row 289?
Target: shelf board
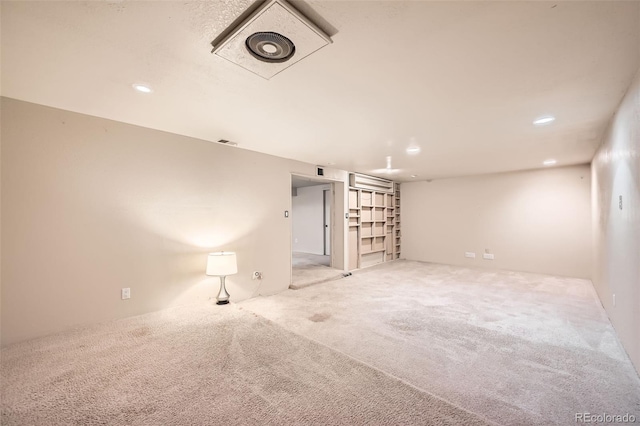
column 373, row 251
column 366, row 237
column 353, row 225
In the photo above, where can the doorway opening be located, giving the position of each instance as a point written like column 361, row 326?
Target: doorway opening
column 313, row 231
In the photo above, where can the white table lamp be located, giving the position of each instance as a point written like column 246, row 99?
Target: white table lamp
column 221, row 264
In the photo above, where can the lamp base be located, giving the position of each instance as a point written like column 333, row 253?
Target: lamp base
column 223, row 296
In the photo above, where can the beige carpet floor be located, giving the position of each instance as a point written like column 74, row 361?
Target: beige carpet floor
column 400, row 343
column 302, row 260
column 310, row 269
column 203, row 365
column 515, row 348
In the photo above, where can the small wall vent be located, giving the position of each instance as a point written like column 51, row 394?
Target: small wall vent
column 226, row 142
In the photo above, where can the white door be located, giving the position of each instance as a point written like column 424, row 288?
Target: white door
column 327, row 222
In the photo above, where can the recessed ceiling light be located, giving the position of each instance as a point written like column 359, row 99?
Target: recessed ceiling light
column 142, row 88
column 549, row 162
column 414, row 176
column 412, row 150
column 546, row 119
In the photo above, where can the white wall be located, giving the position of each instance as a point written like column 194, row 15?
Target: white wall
column 616, row 232
column 308, row 219
column 91, row 205
column 536, row 221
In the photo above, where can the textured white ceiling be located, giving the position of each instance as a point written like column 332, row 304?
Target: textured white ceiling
column 463, row 80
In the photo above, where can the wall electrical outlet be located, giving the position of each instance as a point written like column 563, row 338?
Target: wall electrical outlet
column 256, row 275
column 470, row 254
column 126, row 293
column 488, row 256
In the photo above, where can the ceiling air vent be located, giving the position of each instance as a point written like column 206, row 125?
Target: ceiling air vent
column 227, row 142
column 356, row 180
column 270, row 47
column 271, row 39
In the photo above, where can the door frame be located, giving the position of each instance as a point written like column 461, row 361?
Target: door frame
column 333, row 183
column 327, row 217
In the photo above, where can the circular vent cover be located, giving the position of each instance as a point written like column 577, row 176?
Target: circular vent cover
column 270, row 47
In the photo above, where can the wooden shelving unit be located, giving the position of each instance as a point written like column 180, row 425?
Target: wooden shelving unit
column 374, row 222
column 397, row 234
column 355, row 222
column 389, row 224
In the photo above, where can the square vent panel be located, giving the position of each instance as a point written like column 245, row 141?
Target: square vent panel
column 271, row 39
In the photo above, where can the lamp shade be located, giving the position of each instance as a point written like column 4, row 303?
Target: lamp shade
column 222, row 263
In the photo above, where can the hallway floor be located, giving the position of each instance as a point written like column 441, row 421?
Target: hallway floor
column 310, row 269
